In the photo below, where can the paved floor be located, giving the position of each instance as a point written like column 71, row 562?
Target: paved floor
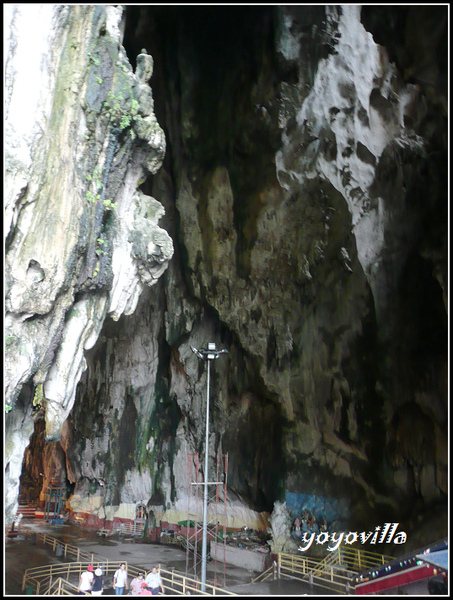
column 20, row 554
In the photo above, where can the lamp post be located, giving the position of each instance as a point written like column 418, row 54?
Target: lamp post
column 208, row 354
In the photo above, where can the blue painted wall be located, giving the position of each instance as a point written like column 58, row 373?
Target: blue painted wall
column 334, row 510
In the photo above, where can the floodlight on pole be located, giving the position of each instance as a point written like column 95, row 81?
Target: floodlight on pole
column 208, row 354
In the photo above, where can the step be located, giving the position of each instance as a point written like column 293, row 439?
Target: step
column 27, row 511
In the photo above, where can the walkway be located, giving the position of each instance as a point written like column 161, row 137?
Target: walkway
column 20, row 555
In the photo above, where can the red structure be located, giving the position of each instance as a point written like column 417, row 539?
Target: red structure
column 394, row 580
column 217, row 508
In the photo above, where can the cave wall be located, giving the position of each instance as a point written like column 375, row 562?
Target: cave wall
column 310, row 218
column 80, row 133
column 304, row 188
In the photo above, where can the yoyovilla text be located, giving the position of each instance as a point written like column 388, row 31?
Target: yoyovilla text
column 381, row 535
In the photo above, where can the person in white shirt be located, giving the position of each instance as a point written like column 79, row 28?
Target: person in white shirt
column 86, row 581
column 154, row 582
column 120, row 580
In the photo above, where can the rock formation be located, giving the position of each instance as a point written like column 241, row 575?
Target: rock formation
column 294, row 213
column 81, row 241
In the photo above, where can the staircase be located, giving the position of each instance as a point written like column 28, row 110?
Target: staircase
column 27, row 511
column 334, row 572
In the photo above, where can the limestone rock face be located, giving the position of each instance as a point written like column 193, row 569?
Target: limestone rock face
column 280, row 530
column 80, row 135
column 307, row 233
column 307, row 207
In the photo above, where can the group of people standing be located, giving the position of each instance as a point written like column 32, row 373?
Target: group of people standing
column 149, row 586
column 92, row 582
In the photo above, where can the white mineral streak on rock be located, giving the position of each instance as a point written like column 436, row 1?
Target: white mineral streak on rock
column 45, row 197
column 127, row 287
column 132, row 272
column 280, row 529
column 137, row 487
column 345, row 81
column 80, row 333
column 20, row 430
column 28, row 78
column 28, row 294
column 113, row 22
column 340, row 103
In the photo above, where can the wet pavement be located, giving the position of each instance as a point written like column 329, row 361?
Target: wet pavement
column 21, row 554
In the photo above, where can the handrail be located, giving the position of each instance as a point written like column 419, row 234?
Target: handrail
column 39, row 576
column 353, row 559
column 272, row 570
column 61, row 587
column 335, row 569
column 187, row 584
column 74, row 568
column 32, row 581
column 68, row 549
column 303, row 569
column 179, row 583
column 332, row 558
column 331, row 568
column 358, row 559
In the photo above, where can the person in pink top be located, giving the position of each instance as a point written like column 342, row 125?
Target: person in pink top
column 145, row 591
column 136, row 585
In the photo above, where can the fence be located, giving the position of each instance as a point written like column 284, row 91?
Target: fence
column 359, row 560
column 41, row 579
column 334, row 572
column 272, row 571
column 178, row 583
column 61, row 587
column 67, row 550
column 54, row 579
column 314, row 571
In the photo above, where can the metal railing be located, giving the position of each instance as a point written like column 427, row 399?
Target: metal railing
column 357, row 559
column 314, row 571
column 61, row 587
column 335, row 571
column 272, row 571
column 53, row 579
column 42, row 578
column 179, row 583
column 67, row 549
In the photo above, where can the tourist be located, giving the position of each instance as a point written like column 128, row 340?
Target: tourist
column 120, row 580
column 154, row 582
column 136, row 585
column 145, row 591
column 86, row 581
column 98, row 583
